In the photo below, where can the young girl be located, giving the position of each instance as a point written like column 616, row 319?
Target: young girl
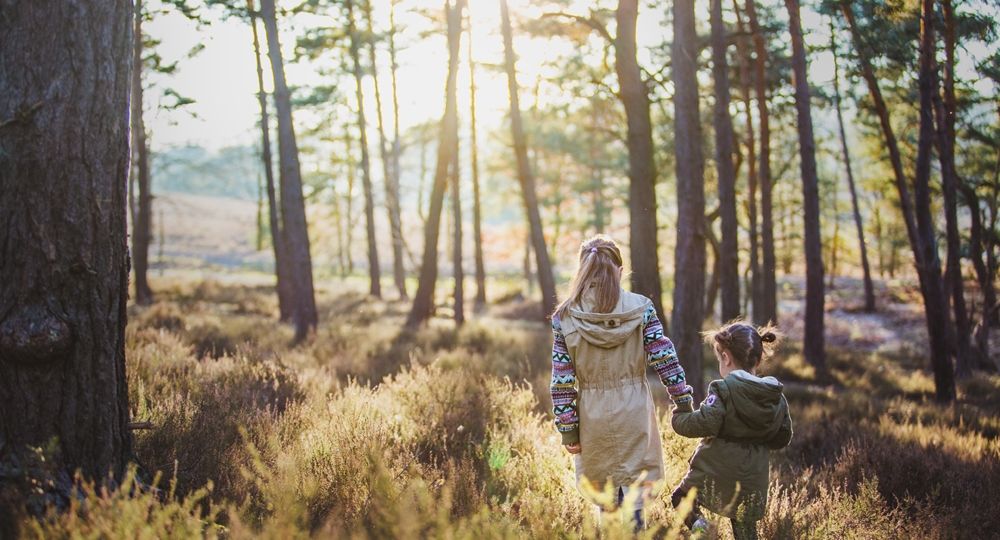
column 742, row 417
column 604, row 338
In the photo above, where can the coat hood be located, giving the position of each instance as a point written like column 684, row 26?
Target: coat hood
column 607, row 330
column 758, row 406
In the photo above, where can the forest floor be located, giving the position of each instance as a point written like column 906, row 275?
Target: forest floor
column 369, row 430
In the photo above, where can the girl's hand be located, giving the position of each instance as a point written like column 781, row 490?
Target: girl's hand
column 573, row 448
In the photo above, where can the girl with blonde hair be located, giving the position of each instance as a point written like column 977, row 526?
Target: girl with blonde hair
column 604, row 339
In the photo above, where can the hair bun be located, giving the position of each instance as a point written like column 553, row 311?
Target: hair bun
column 769, row 337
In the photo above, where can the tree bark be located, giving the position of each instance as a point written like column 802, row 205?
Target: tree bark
column 374, row 270
column 142, row 224
column 768, row 301
column 754, row 290
column 281, row 270
column 64, row 112
column 524, row 173
column 813, row 346
column 293, row 211
column 728, row 252
column 935, row 298
column 388, row 175
column 477, row 213
column 423, row 300
column 632, row 90
column 865, row 267
column 946, row 109
column 689, row 255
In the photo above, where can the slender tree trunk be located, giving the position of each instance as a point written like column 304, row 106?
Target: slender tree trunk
column 714, row 283
column 882, row 110
column 458, row 273
column 945, row 109
column 142, row 224
column 524, row 173
column 869, row 287
column 813, row 346
column 596, row 173
column 281, row 270
column 352, row 168
column 935, row 297
column 64, row 112
column 388, row 174
column 643, row 246
column 423, row 300
column 728, row 250
column 477, row 213
column 294, row 228
column 689, row 255
column 916, row 213
column 754, row 290
column 260, row 213
column 374, row 271
column 768, row 300
column 976, row 250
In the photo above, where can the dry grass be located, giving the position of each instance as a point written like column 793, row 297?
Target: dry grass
column 370, row 431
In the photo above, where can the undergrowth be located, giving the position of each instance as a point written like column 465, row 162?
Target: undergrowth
column 367, row 430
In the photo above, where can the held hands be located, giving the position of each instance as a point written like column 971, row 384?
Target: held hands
column 573, row 448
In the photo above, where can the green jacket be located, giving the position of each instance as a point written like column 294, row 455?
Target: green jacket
column 742, row 417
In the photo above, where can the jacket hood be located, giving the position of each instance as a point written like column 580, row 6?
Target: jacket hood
column 757, row 404
column 607, row 330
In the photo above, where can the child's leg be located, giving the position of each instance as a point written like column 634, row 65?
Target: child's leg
column 744, row 530
column 675, row 499
column 637, row 507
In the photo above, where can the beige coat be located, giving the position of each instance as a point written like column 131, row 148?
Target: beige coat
column 619, row 436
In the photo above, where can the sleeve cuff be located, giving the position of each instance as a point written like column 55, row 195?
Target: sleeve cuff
column 570, row 437
column 684, row 403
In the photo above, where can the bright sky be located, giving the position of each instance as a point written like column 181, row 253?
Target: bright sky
column 222, row 79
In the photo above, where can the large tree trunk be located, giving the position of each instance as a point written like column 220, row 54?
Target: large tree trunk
column 754, row 290
column 477, row 213
column 865, row 267
column 689, row 256
column 64, row 131
column 374, row 271
column 812, row 236
column 423, row 300
column 524, row 173
column 946, row 109
column 388, row 175
column 293, row 210
column 281, row 270
column 643, row 247
column 728, row 252
column 142, row 218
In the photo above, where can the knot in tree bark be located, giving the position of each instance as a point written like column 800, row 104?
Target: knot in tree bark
column 33, row 335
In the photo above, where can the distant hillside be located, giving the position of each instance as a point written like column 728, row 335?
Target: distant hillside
column 232, row 172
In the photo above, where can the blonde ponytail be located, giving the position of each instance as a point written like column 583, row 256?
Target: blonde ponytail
column 600, row 268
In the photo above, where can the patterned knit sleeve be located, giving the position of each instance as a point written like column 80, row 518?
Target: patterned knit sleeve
column 563, row 387
column 662, row 357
